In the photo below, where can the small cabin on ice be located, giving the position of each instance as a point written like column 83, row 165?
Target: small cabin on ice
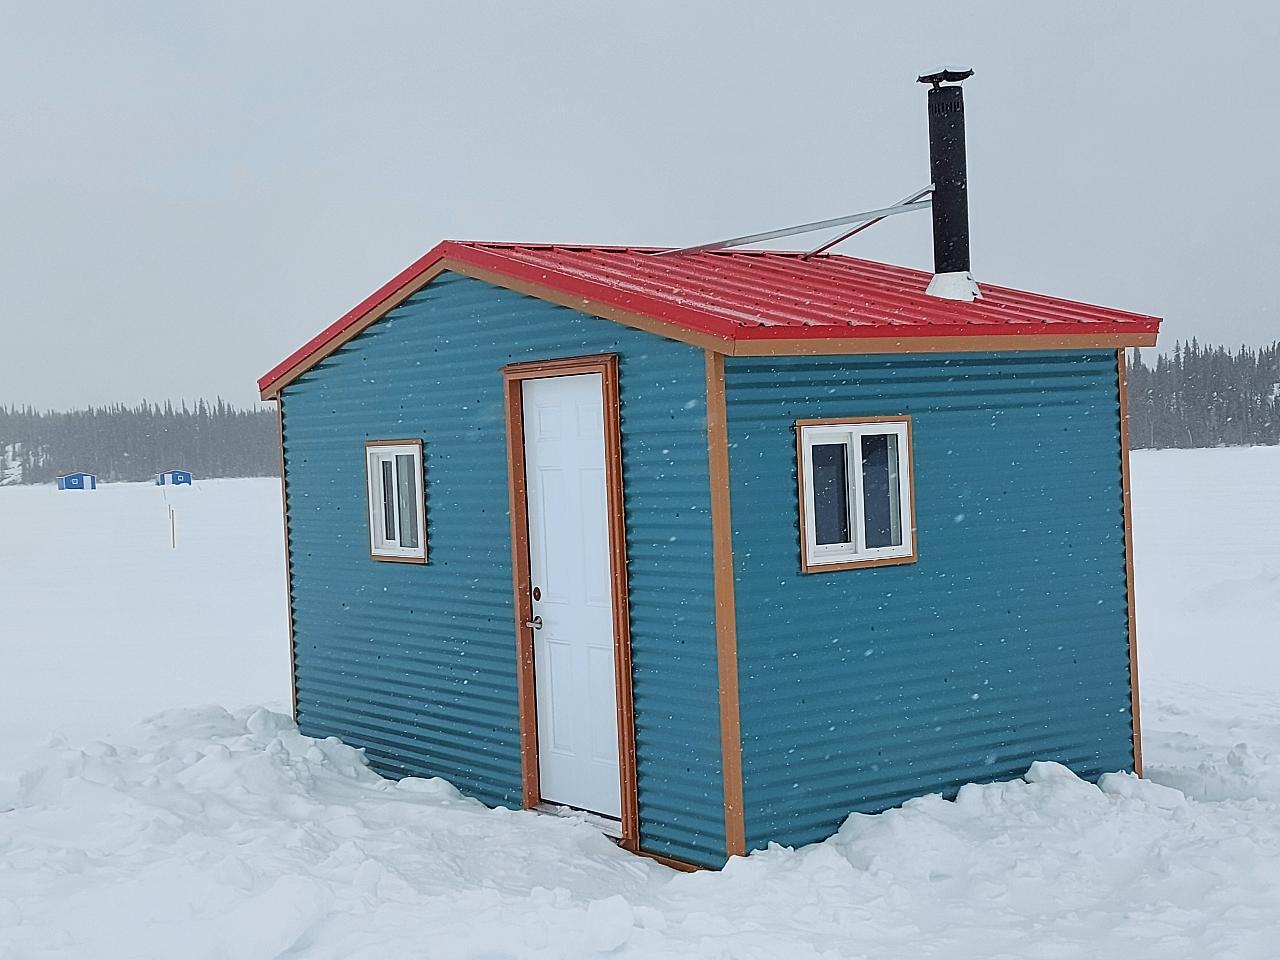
column 173, row 478
column 77, row 481
column 716, row 546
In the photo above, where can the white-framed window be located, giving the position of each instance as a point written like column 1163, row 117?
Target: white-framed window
column 855, row 492
column 397, row 508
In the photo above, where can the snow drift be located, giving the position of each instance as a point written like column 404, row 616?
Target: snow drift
column 208, row 834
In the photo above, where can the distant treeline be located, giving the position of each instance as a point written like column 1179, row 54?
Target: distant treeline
column 1195, row 396
column 135, row 443
column 1203, row 396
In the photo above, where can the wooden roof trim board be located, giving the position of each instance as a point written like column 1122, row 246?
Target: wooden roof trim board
column 747, row 303
column 352, row 324
column 948, row 344
column 1135, row 706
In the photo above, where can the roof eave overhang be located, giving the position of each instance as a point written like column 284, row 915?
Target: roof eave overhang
column 585, row 296
column 685, row 324
column 940, row 341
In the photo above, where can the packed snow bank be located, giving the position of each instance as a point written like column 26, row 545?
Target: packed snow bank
column 205, row 834
column 1212, row 744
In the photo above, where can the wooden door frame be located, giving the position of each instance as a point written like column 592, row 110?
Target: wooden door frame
column 513, row 376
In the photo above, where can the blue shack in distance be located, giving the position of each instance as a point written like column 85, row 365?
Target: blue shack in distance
column 77, row 481
column 173, row 478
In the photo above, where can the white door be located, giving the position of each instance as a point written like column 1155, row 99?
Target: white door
column 570, row 577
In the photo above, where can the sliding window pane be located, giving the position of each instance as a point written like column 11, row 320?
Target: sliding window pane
column 830, row 493
column 881, row 497
column 407, row 485
column 388, row 501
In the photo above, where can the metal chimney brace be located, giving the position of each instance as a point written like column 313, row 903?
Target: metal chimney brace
column 949, row 168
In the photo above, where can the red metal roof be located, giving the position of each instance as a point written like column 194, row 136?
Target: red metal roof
column 728, row 298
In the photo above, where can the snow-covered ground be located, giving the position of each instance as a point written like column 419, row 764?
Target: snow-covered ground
column 206, row 833
column 103, row 622
column 1207, row 552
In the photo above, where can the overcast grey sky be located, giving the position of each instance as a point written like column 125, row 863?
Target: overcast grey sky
column 188, row 192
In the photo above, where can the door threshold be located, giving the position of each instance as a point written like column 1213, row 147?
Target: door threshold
column 609, row 826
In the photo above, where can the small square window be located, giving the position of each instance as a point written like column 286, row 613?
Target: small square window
column 397, row 509
column 855, row 493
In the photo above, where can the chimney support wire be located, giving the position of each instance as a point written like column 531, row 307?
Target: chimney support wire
column 866, row 215
column 827, row 245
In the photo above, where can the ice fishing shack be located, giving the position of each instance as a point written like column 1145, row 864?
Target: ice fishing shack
column 173, row 478
column 77, row 481
column 713, row 546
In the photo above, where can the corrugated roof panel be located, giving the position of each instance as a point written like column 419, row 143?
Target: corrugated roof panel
column 741, row 296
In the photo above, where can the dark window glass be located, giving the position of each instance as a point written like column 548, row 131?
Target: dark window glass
column 407, row 488
column 388, row 501
column 830, row 493
column 881, row 506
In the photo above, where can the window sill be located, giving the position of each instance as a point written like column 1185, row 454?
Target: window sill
column 385, row 558
column 806, row 567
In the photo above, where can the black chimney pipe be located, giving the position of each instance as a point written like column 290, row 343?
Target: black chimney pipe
column 949, row 170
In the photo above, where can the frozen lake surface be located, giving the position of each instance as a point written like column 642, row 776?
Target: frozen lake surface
column 215, row 830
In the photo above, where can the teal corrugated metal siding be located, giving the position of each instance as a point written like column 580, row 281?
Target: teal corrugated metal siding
column 417, row 663
column 1005, row 643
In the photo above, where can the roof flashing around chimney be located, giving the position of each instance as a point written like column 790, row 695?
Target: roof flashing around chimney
column 959, row 285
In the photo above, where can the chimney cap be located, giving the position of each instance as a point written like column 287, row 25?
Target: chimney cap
column 947, row 74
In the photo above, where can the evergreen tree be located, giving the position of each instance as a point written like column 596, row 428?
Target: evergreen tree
column 118, row 442
column 1202, row 396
